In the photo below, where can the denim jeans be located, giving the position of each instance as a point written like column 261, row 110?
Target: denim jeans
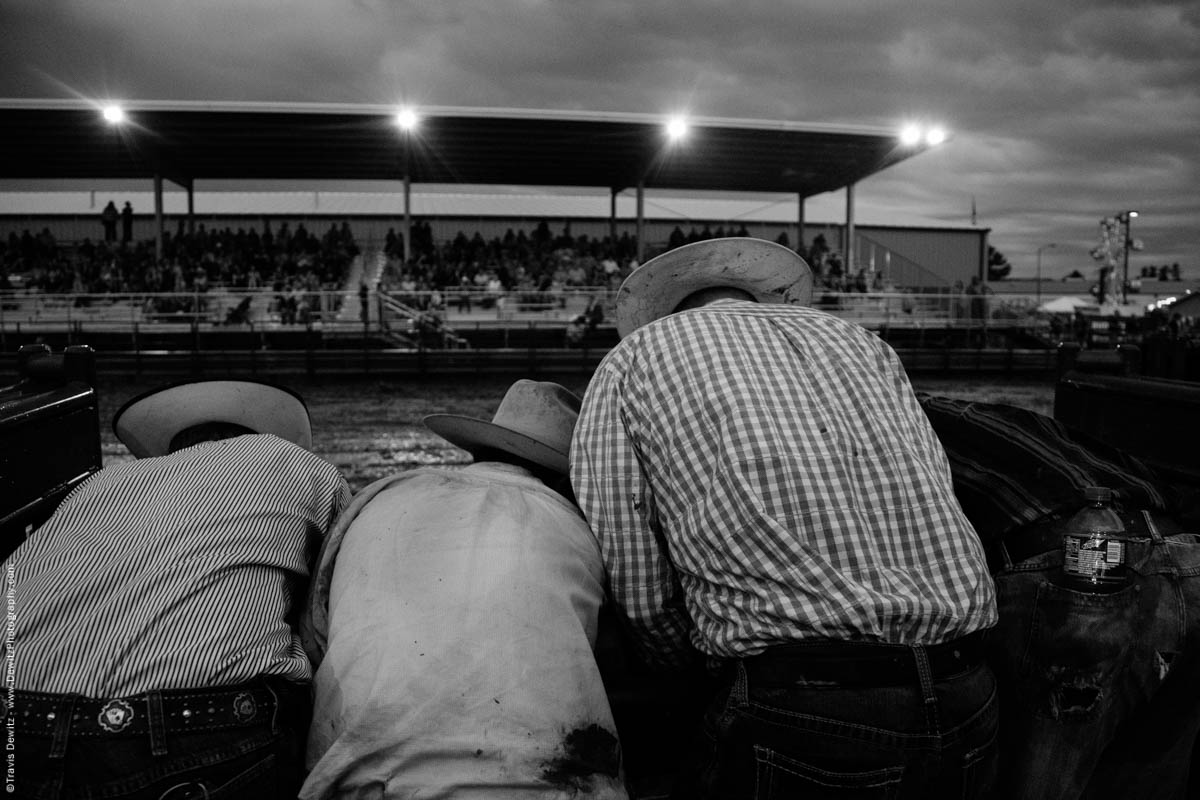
column 927, row 739
column 1100, row 692
column 258, row 761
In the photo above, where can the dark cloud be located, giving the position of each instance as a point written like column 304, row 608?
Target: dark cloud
column 1062, row 112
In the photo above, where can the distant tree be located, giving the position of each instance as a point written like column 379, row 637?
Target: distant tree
column 998, row 266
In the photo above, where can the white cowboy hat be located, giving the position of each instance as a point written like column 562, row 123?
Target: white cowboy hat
column 770, row 272
column 147, row 423
column 535, row 421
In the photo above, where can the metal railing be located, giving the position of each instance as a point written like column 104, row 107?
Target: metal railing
column 400, row 314
column 248, row 331
column 215, row 307
column 407, row 326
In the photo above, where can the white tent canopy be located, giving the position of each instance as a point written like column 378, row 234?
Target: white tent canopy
column 1067, row 305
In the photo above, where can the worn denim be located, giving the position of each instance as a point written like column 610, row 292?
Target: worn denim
column 1101, row 693
column 935, row 739
column 262, row 761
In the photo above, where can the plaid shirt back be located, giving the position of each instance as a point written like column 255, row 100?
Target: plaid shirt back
column 762, row 474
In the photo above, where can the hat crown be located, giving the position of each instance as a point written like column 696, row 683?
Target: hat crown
column 534, row 421
column 769, row 272
column 544, row 411
column 147, row 423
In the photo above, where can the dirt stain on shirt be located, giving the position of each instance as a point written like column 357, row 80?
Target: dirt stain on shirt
column 586, row 751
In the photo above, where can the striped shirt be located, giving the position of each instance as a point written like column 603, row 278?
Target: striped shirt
column 183, row 571
column 763, row 474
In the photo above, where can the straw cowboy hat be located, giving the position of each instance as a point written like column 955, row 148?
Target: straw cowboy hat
column 147, row 423
column 534, row 422
column 770, row 272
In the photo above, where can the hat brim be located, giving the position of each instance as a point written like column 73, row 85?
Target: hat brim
column 769, row 272
column 473, row 434
column 147, row 423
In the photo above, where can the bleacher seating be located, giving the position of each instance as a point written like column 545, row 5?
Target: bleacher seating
column 192, row 261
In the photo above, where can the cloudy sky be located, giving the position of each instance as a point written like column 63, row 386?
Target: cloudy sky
column 1061, row 113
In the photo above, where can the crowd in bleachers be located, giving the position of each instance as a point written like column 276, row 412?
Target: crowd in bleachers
column 528, row 270
column 830, row 274
column 192, row 261
column 462, row 269
column 541, row 264
column 467, row 270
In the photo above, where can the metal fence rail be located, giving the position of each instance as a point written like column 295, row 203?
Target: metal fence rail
column 264, row 307
column 337, row 333
column 491, row 361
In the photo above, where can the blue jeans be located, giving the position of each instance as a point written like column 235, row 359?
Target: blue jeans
column 262, row 760
column 921, row 739
column 1100, row 693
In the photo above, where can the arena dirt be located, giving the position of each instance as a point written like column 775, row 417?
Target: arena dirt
column 371, row 428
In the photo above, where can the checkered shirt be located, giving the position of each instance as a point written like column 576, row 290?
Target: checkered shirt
column 763, row 474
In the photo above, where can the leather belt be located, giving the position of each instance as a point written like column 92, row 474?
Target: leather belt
column 861, row 663
column 180, row 711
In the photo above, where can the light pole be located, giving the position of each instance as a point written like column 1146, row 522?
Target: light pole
column 407, row 121
column 1127, row 216
column 1039, row 270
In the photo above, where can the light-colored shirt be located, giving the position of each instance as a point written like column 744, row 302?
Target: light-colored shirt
column 453, row 618
column 763, row 474
column 182, row 571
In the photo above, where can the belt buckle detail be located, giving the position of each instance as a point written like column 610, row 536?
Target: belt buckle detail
column 115, row 716
column 244, row 707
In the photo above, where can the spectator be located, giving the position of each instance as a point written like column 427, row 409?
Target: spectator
column 127, row 223
column 108, row 218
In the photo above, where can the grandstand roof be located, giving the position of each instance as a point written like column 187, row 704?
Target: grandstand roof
column 189, row 141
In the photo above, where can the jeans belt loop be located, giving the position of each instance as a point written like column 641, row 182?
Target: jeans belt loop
column 63, row 714
column 158, row 723
column 1155, row 534
column 928, row 696
column 739, row 693
column 275, row 721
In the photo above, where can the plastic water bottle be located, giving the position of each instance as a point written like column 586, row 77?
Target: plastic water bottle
column 1094, row 546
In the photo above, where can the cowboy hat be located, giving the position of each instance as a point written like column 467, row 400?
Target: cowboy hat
column 534, row 421
column 770, row 272
column 147, row 423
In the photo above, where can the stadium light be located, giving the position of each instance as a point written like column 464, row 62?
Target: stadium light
column 912, row 134
column 677, row 128
column 407, row 119
column 114, row 114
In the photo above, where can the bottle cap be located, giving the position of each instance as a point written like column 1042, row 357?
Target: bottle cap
column 1097, row 494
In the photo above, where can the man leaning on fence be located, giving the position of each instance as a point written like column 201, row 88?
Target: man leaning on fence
column 453, row 619
column 155, row 654
column 768, row 494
